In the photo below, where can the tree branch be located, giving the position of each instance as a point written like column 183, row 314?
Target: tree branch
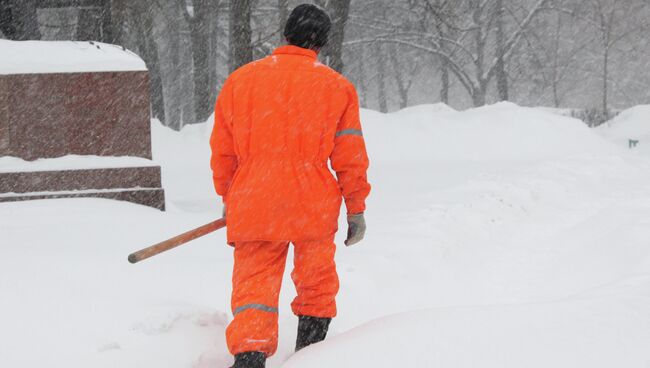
column 512, row 42
column 463, row 77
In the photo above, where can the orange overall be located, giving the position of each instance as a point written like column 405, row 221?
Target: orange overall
column 278, row 121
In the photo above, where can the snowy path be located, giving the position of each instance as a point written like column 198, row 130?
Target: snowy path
column 539, row 260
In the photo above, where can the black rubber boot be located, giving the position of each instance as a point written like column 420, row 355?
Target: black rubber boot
column 311, row 330
column 250, row 359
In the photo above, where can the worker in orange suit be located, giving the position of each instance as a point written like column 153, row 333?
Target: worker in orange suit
column 278, row 121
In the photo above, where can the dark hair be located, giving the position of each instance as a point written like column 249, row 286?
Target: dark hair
column 307, row 27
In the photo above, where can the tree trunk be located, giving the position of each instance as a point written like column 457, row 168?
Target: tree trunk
column 607, row 24
column 119, row 19
column 173, row 77
column 606, row 83
column 556, row 58
column 502, row 77
column 89, row 24
column 141, row 20
column 444, row 75
column 96, row 24
column 444, row 83
column 479, row 95
column 381, row 80
column 402, row 87
column 25, row 21
column 283, row 11
column 241, row 51
column 214, row 52
column 363, row 80
column 7, row 25
column 332, row 53
column 200, row 33
column 107, row 30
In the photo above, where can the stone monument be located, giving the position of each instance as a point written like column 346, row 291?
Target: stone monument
column 75, row 122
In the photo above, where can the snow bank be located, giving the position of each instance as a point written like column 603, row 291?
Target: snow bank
column 37, row 57
column 71, row 162
column 633, row 123
column 520, row 238
column 558, row 334
column 502, row 131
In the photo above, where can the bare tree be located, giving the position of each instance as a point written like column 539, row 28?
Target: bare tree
column 89, row 24
column 18, row 19
column 241, row 51
column 199, row 24
column 556, row 52
column 381, row 79
column 7, row 26
column 141, row 21
column 468, row 56
column 333, row 52
column 404, row 70
column 611, row 18
column 553, row 59
column 174, row 72
column 441, row 13
column 215, row 30
column 500, row 67
column 119, row 20
column 283, row 15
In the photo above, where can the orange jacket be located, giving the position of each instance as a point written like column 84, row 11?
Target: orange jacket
column 277, row 122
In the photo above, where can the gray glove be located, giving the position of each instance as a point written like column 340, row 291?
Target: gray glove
column 356, row 229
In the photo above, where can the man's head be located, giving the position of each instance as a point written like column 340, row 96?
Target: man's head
column 307, row 27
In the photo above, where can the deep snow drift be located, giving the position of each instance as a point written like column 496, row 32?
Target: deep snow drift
column 497, row 237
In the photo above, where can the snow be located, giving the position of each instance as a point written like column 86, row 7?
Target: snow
column 71, row 162
column 497, row 237
column 73, row 192
column 556, row 334
column 631, row 124
column 445, row 134
column 40, row 57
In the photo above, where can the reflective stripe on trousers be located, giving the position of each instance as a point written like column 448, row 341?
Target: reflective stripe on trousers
column 261, row 307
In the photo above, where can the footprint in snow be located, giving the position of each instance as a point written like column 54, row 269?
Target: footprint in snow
column 158, row 325
column 109, row 347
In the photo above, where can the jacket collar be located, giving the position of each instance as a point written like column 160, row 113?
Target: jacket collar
column 295, row 50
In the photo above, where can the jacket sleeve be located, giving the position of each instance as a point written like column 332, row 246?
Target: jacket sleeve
column 224, row 159
column 349, row 158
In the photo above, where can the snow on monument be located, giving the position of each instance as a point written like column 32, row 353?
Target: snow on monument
column 75, row 122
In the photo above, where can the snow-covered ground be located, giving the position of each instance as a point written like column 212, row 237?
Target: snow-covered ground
column 497, row 237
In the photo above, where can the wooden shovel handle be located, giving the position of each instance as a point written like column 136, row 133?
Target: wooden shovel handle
column 176, row 241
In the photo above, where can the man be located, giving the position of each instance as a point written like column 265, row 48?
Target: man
column 278, row 121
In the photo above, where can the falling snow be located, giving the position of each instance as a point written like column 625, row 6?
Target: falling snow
column 509, row 147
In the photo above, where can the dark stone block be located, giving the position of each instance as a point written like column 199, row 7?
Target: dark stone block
column 151, row 197
column 113, row 178
column 53, row 115
column 139, row 185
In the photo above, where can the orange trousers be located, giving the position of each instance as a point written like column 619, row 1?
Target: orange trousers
column 256, row 282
